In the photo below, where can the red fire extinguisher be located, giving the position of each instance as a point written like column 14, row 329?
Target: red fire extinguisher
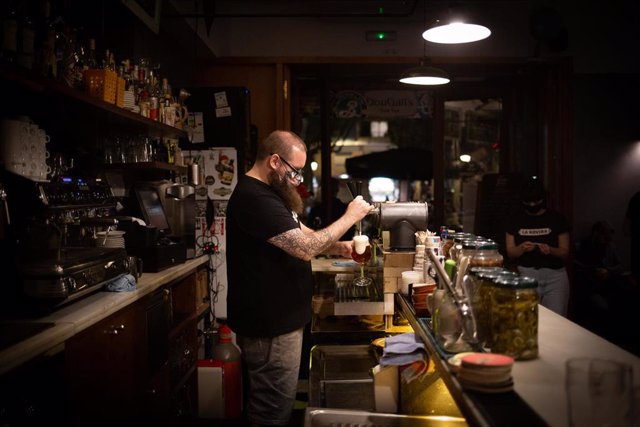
column 226, row 355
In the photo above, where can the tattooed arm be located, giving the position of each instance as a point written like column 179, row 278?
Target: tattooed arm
column 305, row 243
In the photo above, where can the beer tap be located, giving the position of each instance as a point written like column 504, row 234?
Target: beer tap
column 355, row 188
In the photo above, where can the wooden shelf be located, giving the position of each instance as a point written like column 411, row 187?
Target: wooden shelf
column 146, row 166
column 35, row 83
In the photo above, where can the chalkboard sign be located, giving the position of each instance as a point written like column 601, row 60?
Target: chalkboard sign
column 498, row 198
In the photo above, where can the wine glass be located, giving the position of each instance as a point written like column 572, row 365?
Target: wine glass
column 361, row 253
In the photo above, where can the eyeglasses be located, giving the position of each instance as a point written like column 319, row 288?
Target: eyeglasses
column 293, row 173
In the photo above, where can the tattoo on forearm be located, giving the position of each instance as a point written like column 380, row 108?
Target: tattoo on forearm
column 302, row 245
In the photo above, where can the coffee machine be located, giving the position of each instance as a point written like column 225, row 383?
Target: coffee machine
column 157, row 242
column 49, row 244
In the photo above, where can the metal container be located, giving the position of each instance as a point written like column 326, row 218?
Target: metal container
column 402, row 219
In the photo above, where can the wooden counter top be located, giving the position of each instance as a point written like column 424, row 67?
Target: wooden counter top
column 84, row 313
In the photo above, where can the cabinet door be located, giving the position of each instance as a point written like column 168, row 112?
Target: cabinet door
column 103, row 366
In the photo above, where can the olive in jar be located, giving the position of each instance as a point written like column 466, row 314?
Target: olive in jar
column 514, row 317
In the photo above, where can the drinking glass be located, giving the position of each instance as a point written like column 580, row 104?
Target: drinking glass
column 361, row 253
column 598, row 393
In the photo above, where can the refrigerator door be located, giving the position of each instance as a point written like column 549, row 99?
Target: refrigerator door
column 219, row 175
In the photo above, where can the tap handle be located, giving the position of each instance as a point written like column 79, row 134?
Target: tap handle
column 355, row 187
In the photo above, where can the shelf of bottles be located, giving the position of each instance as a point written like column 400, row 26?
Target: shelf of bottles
column 44, row 54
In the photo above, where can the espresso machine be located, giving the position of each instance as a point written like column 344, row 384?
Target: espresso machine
column 49, row 244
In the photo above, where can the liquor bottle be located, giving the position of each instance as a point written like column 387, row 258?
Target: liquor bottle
column 80, row 64
column 26, row 42
column 10, row 36
column 67, row 61
column 92, row 62
column 41, row 28
column 49, row 63
column 154, row 98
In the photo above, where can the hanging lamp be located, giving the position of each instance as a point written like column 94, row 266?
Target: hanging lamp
column 455, row 27
column 424, row 74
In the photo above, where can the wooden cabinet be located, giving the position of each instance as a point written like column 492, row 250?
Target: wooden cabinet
column 104, row 364
column 140, row 362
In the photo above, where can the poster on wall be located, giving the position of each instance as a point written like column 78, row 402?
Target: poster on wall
column 381, row 104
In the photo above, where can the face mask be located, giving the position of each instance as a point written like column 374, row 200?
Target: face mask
column 534, row 209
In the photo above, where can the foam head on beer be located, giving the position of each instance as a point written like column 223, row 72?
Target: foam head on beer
column 361, row 243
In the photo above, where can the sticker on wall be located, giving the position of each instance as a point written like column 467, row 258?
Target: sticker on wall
column 220, row 165
column 221, row 99
column 223, row 112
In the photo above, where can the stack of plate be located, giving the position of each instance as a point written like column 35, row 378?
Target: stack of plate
column 486, row 372
column 110, row 239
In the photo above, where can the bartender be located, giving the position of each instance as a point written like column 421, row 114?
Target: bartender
column 269, row 270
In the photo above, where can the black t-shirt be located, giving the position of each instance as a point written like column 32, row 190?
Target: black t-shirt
column 269, row 290
column 543, row 228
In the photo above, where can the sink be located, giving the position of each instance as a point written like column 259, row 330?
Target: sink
column 321, row 417
column 12, row 332
column 340, row 377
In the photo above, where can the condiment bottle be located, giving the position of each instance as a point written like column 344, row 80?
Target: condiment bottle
column 514, row 317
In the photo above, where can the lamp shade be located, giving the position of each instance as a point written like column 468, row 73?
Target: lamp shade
column 455, row 32
column 424, row 75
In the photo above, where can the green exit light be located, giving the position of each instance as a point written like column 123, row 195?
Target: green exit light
column 381, row 36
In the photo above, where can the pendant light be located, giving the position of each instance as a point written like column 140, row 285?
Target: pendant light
column 424, row 74
column 454, row 28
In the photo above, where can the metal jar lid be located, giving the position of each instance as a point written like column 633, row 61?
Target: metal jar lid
column 516, row 282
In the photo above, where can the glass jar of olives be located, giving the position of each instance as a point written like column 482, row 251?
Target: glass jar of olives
column 514, row 317
column 478, row 285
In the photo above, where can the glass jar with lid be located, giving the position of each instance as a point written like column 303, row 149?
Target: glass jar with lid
column 456, row 247
column 514, row 317
column 477, row 286
column 482, row 253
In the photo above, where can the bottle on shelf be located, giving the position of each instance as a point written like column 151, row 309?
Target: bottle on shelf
column 91, row 62
column 10, row 36
column 26, row 42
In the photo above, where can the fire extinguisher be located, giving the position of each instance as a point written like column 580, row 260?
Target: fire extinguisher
column 226, row 355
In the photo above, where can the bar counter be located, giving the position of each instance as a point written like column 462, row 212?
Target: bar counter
column 539, row 383
column 79, row 315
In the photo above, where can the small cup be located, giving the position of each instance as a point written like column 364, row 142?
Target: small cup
column 409, row 277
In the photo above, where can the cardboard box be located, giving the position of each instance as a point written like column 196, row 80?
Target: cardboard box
column 398, row 259
column 390, row 284
column 394, row 271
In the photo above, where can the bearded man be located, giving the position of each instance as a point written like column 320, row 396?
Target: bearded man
column 269, row 254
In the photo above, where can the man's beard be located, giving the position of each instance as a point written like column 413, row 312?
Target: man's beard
column 287, row 192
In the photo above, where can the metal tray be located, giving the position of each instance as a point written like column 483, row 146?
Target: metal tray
column 318, row 417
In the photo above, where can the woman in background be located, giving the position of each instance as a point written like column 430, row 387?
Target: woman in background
column 537, row 239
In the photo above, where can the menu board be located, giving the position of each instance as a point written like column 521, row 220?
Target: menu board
column 498, row 198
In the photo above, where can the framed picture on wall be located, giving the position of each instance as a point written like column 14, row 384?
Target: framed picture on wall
column 148, row 11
